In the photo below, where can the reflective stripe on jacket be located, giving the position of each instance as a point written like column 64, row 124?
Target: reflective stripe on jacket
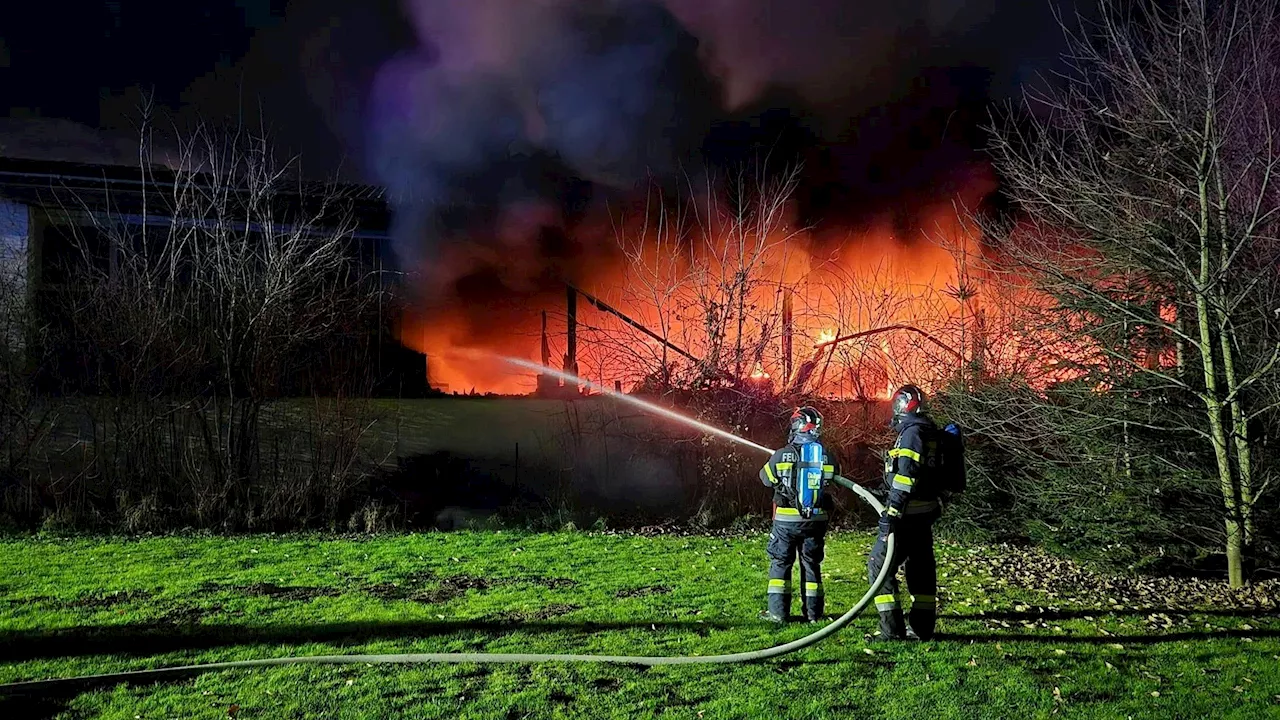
column 907, row 469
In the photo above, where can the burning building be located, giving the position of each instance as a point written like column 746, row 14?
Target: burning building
column 710, row 218
column 698, row 307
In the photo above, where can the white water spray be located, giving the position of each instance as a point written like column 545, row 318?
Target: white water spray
column 644, row 405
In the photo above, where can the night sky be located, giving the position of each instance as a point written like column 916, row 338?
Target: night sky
column 61, row 67
column 85, row 61
column 311, row 62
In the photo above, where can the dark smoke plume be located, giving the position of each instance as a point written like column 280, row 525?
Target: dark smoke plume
column 549, row 102
column 845, row 55
column 510, row 102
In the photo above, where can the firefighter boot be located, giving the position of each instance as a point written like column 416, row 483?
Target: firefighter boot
column 779, row 600
column 923, row 616
column 891, row 625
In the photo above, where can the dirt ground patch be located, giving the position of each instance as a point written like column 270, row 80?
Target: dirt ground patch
column 646, row 591
column 298, row 593
column 454, row 586
column 188, row 614
column 104, row 600
column 543, row 613
column 551, row 583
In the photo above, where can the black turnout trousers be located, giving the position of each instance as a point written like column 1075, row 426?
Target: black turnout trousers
column 807, row 540
column 913, row 538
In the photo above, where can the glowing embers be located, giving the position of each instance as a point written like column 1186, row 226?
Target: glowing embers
column 759, row 375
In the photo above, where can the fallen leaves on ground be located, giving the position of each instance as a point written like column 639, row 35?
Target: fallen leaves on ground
column 1065, row 582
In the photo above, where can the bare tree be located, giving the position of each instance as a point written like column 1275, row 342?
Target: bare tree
column 704, row 274
column 741, row 240
column 1147, row 182
column 205, row 305
column 882, row 328
column 660, row 275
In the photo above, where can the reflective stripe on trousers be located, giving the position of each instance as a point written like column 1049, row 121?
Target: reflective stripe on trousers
column 923, row 602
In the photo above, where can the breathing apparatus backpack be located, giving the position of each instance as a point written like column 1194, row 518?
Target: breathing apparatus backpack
column 949, row 472
column 807, row 481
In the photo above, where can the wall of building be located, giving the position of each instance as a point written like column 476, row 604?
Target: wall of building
column 15, row 243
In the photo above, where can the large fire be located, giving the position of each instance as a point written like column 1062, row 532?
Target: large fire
column 852, row 316
column 873, row 280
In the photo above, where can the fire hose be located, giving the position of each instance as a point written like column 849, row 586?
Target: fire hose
column 36, row 686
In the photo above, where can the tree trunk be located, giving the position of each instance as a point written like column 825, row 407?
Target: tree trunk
column 742, row 300
column 1212, row 399
column 1239, row 419
column 1235, row 539
column 1127, row 453
column 1243, row 445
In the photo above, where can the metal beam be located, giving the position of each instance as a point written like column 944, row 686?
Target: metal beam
column 605, row 307
column 278, row 228
column 806, row 369
column 888, row 328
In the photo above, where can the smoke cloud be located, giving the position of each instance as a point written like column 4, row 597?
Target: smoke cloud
column 826, row 49
column 504, row 101
column 846, row 56
column 516, row 101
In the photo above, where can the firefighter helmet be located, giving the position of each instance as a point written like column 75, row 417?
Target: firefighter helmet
column 806, row 421
column 908, row 400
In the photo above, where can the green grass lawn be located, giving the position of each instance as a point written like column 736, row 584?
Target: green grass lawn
column 1025, row 635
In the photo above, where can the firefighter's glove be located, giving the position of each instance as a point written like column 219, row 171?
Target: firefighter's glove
column 889, row 521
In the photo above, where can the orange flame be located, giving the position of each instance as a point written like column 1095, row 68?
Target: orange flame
column 847, row 289
column 903, row 293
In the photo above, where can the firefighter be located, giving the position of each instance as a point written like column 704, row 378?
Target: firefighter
column 798, row 474
column 911, row 509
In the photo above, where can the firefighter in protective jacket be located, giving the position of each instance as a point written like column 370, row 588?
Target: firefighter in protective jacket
column 913, row 506
column 798, row 474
